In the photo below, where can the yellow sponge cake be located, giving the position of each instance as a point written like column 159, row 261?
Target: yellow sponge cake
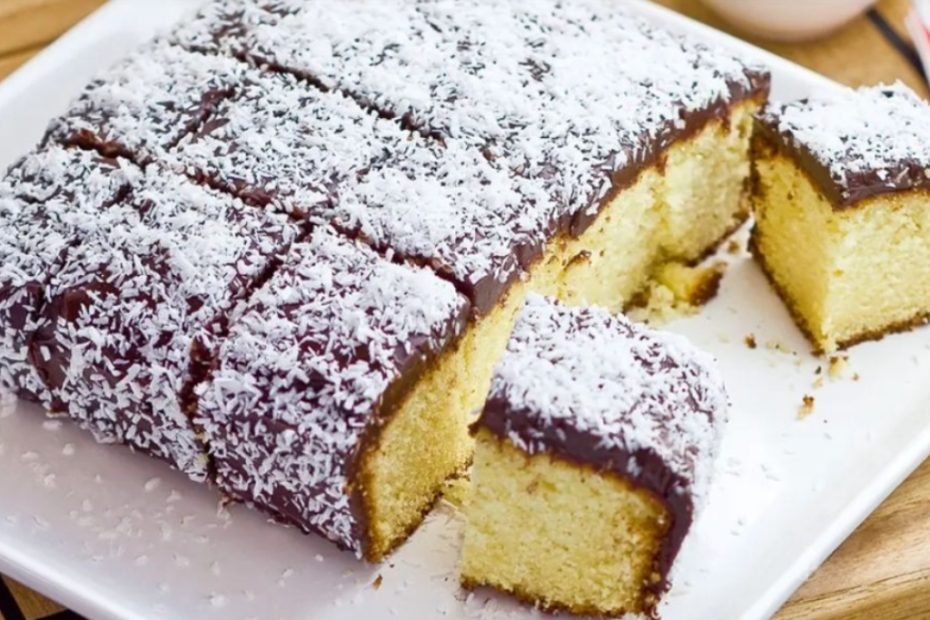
column 594, row 451
column 842, row 212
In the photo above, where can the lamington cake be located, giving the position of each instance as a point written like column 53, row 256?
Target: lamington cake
column 328, row 405
column 49, row 200
column 842, row 199
column 594, row 451
column 119, row 319
column 469, row 153
column 636, row 174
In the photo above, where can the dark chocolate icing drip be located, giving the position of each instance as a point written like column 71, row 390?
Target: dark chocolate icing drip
column 856, row 186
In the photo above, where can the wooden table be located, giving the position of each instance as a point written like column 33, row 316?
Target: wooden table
column 883, row 570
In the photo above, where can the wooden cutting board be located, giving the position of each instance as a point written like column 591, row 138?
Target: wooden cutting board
column 883, row 570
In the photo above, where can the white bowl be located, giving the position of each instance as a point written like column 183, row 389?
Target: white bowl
column 789, row 20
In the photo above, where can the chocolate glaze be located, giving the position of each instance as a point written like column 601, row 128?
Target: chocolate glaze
column 133, row 282
column 857, row 186
column 668, row 397
column 137, row 112
column 650, row 153
column 55, row 198
column 487, row 292
column 849, row 183
column 221, row 26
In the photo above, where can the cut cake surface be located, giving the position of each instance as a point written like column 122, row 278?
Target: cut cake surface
column 842, row 200
column 604, row 411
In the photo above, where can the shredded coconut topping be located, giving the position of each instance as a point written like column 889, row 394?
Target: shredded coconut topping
column 878, row 136
column 147, row 102
column 285, row 143
column 320, row 155
column 305, row 371
column 448, row 207
column 633, row 392
column 49, row 200
column 133, row 303
column 545, row 84
column 221, row 26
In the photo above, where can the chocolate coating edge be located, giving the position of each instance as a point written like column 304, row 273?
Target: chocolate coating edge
column 859, row 186
column 585, row 449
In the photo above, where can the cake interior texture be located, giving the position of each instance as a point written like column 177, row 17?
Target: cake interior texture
column 425, row 442
column 860, row 272
column 638, row 231
column 594, row 453
column 558, row 534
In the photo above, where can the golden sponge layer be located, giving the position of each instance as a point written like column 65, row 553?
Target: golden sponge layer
column 558, row 534
column 677, row 210
column 849, row 274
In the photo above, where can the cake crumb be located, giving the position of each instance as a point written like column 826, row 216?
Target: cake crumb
column 677, row 290
column 455, row 490
column 839, row 365
column 774, row 345
column 376, row 584
column 807, row 406
column 751, row 341
column 855, row 376
column 734, row 247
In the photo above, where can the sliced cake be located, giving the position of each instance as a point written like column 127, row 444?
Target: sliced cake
column 492, row 150
column 842, row 199
column 130, row 316
column 595, row 450
column 49, row 201
column 329, row 403
column 146, row 103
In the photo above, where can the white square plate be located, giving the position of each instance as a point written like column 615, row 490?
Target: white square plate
column 116, row 535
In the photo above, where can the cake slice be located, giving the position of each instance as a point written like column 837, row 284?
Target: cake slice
column 595, row 450
column 147, row 102
column 130, row 319
column 280, row 142
column 49, row 201
column 842, row 211
column 329, row 403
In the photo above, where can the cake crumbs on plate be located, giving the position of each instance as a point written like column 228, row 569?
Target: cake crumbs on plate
column 676, row 291
column 750, row 341
column 807, row 406
column 455, row 490
column 774, row 345
column 734, row 247
column 376, row 584
column 839, row 366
